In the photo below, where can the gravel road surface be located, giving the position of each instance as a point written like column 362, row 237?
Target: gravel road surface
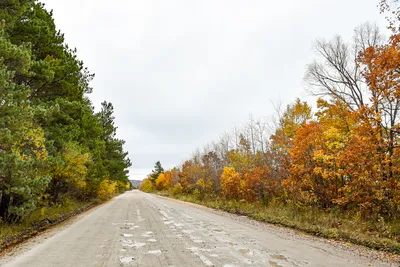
column 138, row 229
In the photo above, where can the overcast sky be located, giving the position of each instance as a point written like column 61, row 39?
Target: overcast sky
column 180, row 73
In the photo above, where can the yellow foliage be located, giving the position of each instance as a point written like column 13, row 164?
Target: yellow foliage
column 239, row 161
column 205, row 186
column 178, row 189
column 74, row 170
column 231, row 184
column 107, row 189
column 34, row 138
column 147, row 186
column 43, row 211
column 161, row 182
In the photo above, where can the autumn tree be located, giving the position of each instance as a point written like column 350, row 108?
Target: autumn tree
column 163, row 181
column 295, row 115
column 300, row 182
column 191, row 171
column 232, row 184
column 380, row 69
column 69, row 175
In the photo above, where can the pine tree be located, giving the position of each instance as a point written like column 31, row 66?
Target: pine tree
column 22, row 150
column 158, row 169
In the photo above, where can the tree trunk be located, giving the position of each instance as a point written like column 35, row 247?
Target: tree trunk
column 4, row 204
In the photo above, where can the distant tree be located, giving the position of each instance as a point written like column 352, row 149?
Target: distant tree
column 158, row 169
column 336, row 73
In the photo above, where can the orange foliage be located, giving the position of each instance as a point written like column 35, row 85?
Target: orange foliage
column 300, row 183
column 254, row 183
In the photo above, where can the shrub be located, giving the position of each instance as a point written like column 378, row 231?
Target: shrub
column 178, row 189
column 147, row 186
column 107, row 190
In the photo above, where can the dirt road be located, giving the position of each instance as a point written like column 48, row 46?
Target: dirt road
column 138, row 229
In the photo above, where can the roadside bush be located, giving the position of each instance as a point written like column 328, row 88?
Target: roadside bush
column 177, row 190
column 232, row 184
column 161, row 182
column 147, row 186
column 107, row 190
column 122, row 186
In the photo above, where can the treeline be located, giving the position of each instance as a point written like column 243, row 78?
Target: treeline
column 53, row 146
column 343, row 157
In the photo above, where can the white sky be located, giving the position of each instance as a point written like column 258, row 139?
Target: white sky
column 180, row 73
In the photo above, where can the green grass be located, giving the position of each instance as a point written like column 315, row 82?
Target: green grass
column 377, row 234
column 53, row 212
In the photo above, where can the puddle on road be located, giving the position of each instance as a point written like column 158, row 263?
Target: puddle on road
column 125, row 260
column 129, row 243
column 147, row 234
column 137, row 245
column 193, row 249
column 154, row 252
column 139, row 215
column 127, row 235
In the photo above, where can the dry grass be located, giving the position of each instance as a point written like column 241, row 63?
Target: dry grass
column 53, row 212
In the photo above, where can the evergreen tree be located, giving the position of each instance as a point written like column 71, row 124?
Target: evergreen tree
column 51, row 140
column 115, row 160
column 22, row 150
column 158, row 169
